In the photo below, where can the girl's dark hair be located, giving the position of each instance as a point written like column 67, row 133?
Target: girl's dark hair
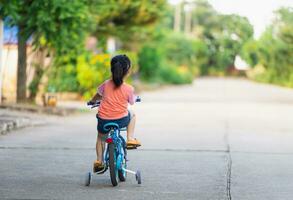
column 120, row 66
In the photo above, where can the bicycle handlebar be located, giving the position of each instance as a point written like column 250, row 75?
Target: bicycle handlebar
column 138, row 99
column 93, row 104
column 97, row 103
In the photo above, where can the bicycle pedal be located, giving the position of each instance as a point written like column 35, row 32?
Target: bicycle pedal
column 131, row 147
column 102, row 171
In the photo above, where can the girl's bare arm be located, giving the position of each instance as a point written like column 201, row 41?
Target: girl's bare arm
column 96, row 97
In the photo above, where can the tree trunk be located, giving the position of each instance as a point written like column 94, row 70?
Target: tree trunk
column 39, row 66
column 34, row 85
column 21, row 68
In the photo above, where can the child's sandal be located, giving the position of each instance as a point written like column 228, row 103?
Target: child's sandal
column 133, row 144
column 98, row 166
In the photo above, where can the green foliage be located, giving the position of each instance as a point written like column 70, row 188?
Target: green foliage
column 63, row 78
column 201, row 52
column 249, row 52
column 274, row 51
column 125, row 13
column 224, row 36
column 59, row 26
column 54, row 24
column 124, row 19
column 143, row 30
column 33, row 86
column 211, row 47
column 150, row 60
column 91, row 72
column 179, row 50
column 82, row 75
column 170, row 59
column 175, row 75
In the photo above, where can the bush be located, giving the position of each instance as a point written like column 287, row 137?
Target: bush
column 274, row 51
column 92, row 70
column 173, row 59
column 63, row 79
column 179, row 50
column 201, row 52
column 149, row 59
column 175, row 75
column 214, row 71
column 82, row 74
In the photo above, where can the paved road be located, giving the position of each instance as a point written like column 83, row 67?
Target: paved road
column 217, row 139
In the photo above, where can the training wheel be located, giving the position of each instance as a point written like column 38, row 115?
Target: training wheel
column 138, row 177
column 88, row 179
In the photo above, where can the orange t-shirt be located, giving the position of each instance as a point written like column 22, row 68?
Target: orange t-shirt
column 115, row 100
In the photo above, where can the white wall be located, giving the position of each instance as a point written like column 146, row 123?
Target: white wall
column 9, row 72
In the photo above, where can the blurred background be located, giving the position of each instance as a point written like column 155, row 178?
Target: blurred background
column 63, row 48
column 215, row 77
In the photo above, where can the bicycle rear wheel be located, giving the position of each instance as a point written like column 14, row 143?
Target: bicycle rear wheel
column 112, row 165
column 121, row 173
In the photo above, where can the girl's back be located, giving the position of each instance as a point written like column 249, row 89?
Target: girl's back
column 115, row 100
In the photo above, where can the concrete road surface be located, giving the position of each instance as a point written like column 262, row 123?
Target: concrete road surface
column 217, row 139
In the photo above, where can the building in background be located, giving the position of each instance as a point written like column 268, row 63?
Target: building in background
column 9, row 64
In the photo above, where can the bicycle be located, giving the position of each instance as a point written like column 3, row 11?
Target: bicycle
column 115, row 154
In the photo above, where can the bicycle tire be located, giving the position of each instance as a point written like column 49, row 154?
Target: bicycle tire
column 138, row 177
column 121, row 174
column 112, row 165
column 88, row 179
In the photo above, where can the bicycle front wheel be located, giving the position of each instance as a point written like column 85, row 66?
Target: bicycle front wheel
column 112, row 165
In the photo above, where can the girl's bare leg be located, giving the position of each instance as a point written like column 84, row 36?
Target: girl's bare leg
column 99, row 148
column 131, row 126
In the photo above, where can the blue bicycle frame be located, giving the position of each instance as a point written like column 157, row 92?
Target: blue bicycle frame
column 115, row 144
column 115, row 138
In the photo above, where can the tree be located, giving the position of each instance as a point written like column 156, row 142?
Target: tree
column 249, row 52
column 236, row 31
column 58, row 26
column 224, row 35
column 124, row 19
column 275, row 49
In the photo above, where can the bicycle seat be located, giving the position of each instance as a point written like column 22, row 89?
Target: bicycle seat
column 110, row 125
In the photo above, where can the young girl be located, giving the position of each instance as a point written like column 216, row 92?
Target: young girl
column 115, row 96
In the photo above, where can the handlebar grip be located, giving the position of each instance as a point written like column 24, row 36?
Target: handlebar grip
column 89, row 103
column 138, row 99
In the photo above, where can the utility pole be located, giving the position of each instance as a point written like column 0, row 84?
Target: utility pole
column 1, row 57
column 177, row 17
column 188, row 8
column 187, row 25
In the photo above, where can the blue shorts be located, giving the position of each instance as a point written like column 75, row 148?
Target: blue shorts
column 122, row 122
